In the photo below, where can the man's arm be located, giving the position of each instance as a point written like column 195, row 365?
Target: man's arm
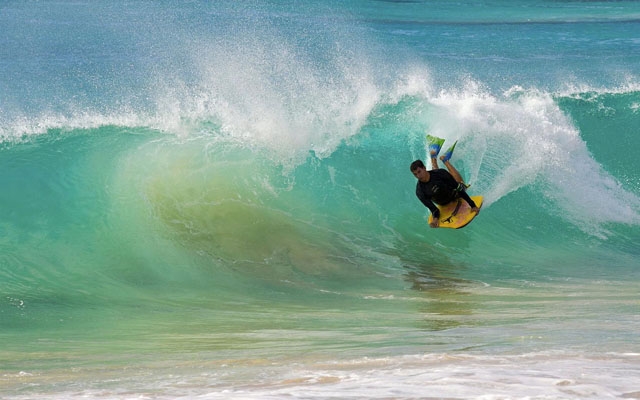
column 428, row 203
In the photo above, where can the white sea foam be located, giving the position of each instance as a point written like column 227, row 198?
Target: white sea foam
column 544, row 375
column 523, row 139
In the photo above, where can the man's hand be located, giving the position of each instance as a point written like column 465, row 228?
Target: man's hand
column 434, row 222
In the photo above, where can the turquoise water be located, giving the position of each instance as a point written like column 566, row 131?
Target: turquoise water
column 212, row 200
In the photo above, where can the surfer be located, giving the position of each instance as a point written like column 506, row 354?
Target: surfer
column 439, row 186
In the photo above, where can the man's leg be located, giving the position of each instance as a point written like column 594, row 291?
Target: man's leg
column 453, row 171
column 434, row 160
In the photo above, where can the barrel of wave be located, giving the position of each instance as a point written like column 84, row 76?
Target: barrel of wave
column 234, row 209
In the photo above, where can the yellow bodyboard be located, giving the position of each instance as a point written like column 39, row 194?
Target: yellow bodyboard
column 457, row 214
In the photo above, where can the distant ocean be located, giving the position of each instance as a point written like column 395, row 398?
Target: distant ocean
column 212, row 200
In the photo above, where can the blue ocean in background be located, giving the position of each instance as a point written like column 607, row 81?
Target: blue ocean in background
column 213, row 200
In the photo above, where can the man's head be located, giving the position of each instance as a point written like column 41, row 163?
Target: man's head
column 420, row 171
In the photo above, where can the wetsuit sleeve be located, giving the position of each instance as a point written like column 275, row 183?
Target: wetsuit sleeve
column 466, row 198
column 428, row 203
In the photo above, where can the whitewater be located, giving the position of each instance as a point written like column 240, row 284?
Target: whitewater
column 213, row 200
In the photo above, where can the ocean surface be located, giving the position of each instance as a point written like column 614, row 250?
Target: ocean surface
column 212, row 200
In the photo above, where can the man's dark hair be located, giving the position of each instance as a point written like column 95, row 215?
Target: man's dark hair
column 417, row 164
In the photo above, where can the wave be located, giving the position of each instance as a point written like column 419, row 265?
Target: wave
column 249, row 199
column 290, row 166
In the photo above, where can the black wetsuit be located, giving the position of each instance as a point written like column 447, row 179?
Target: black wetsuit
column 441, row 189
